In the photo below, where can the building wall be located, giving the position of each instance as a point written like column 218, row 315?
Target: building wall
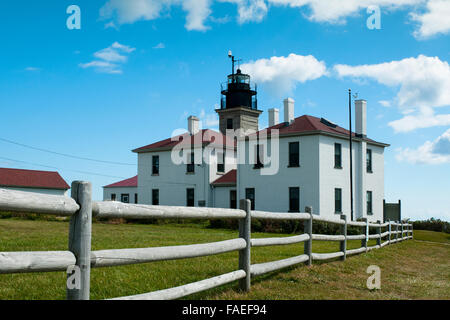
column 173, row 180
column 54, row 192
column 118, row 191
column 272, row 191
column 331, row 178
column 222, row 197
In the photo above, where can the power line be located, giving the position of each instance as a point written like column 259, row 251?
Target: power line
column 62, row 169
column 65, row 154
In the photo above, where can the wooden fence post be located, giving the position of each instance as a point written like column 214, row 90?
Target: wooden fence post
column 365, row 241
column 343, row 244
column 401, row 225
column 412, row 231
column 390, row 230
column 244, row 254
column 80, row 239
column 308, row 226
column 379, row 234
column 396, row 231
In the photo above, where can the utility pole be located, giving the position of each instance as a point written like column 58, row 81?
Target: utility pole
column 351, row 151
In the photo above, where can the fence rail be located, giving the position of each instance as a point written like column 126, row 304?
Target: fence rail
column 81, row 209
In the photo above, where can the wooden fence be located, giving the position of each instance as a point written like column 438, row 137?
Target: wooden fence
column 81, row 209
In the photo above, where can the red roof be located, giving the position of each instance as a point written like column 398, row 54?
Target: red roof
column 202, row 138
column 32, row 179
column 131, row 182
column 310, row 124
column 227, row 179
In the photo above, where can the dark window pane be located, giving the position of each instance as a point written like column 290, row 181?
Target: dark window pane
column 233, row 201
column 294, row 199
column 113, row 197
column 338, row 200
column 369, row 160
column 250, row 195
column 221, row 162
column 369, row 202
column 125, row 198
column 155, row 197
column 190, row 197
column 155, row 165
column 135, row 198
column 337, row 155
column 229, row 123
column 191, row 166
column 294, row 154
column 259, row 154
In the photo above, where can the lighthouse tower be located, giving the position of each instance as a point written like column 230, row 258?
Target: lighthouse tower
column 239, row 104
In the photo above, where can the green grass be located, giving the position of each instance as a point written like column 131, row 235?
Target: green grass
column 409, row 269
column 433, row 236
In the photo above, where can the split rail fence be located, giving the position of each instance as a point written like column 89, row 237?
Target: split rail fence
column 81, row 209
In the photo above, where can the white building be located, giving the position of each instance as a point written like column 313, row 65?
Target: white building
column 124, row 191
column 45, row 182
column 304, row 161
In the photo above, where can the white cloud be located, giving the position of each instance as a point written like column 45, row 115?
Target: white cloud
column 208, row 120
column 32, row 69
column 431, row 152
column 159, row 46
column 336, row 11
column 130, row 11
column 385, row 103
column 197, row 13
column 436, row 20
column 281, row 74
column 250, row 10
column 423, row 83
column 110, row 59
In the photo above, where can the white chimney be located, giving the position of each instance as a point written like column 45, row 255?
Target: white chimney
column 289, row 110
column 193, row 125
column 361, row 117
column 274, row 117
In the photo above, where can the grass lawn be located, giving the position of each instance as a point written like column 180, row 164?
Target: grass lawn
column 433, row 236
column 409, row 270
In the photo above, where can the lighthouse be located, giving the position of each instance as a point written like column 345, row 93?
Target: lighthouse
column 239, row 103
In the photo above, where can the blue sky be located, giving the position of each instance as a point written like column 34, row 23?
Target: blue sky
column 136, row 69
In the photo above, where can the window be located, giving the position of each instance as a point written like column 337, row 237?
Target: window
column 338, row 155
column 259, row 159
column 250, row 195
column 190, row 167
column 125, row 198
column 113, row 197
column 233, row 202
column 338, row 200
column 155, row 165
column 369, row 160
column 135, row 198
column 294, row 199
column 369, row 203
column 221, row 162
column 229, row 123
column 294, row 154
column 155, row 197
column 190, row 197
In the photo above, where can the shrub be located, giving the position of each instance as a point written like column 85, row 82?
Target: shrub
column 432, row 225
